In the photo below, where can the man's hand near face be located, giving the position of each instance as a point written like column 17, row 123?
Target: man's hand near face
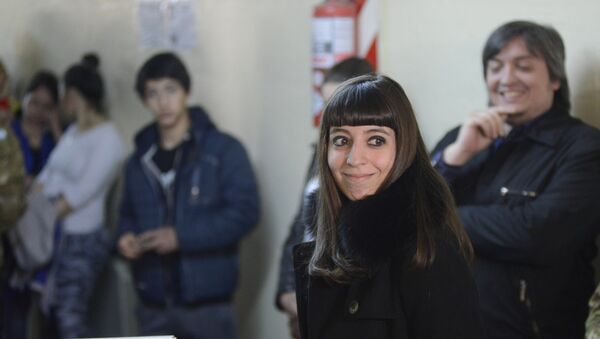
column 477, row 133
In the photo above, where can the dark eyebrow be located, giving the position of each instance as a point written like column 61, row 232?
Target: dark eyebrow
column 519, row 58
column 369, row 131
column 378, row 130
column 526, row 57
column 338, row 130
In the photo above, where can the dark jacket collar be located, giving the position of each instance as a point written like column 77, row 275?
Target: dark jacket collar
column 544, row 128
column 375, row 228
column 148, row 135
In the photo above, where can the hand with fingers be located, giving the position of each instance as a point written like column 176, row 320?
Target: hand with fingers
column 162, row 240
column 477, row 133
column 128, row 246
column 287, row 301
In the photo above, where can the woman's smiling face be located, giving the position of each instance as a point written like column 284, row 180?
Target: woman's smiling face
column 360, row 158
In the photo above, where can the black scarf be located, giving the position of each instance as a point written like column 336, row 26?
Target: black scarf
column 378, row 226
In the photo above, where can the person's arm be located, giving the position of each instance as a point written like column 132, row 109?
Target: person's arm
column 462, row 151
column 556, row 222
column 285, row 299
column 238, row 210
column 286, row 286
column 459, row 178
column 440, row 301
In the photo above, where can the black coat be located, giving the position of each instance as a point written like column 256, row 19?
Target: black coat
column 531, row 210
column 396, row 300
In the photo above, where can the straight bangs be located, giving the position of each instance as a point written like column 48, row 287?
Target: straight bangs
column 359, row 105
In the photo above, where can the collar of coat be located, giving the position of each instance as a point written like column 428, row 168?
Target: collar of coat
column 548, row 127
column 149, row 135
column 377, row 227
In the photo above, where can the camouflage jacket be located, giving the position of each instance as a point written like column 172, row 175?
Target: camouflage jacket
column 592, row 324
column 12, row 180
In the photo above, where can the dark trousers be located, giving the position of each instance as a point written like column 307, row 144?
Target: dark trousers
column 15, row 302
column 15, row 312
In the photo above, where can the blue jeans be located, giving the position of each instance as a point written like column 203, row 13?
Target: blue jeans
column 215, row 321
column 79, row 261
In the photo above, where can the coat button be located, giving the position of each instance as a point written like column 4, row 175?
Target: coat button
column 353, row 308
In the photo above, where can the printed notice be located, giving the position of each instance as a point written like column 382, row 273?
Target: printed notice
column 167, row 24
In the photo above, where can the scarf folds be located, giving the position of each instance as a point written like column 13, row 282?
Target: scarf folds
column 374, row 228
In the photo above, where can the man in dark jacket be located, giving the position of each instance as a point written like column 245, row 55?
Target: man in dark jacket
column 526, row 177
column 189, row 197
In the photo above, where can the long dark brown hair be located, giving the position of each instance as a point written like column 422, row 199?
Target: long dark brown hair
column 379, row 100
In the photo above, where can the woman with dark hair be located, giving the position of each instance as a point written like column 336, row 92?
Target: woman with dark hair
column 38, row 125
column 285, row 298
column 37, row 130
column 390, row 258
column 77, row 178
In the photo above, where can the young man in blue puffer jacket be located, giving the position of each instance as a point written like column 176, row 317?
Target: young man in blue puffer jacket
column 189, row 198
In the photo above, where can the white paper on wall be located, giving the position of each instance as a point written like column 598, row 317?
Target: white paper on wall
column 167, row 24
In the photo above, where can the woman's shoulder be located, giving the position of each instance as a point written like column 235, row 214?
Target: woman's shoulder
column 112, row 129
column 107, row 131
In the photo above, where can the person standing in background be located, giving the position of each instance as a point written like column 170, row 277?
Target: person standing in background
column 526, row 177
column 12, row 182
column 12, row 173
column 285, row 298
column 190, row 196
column 38, row 127
column 12, row 196
column 77, row 177
column 37, row 130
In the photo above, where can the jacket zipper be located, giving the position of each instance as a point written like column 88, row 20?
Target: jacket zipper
column 170, row 215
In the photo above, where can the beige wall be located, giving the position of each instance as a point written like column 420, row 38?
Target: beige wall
column 251, row 71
